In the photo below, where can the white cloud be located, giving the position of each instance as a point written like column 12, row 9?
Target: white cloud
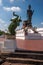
column 16, row 0
column 42, row 23
column 16, row 9
column 1, row 21
column 23, row 0
column 0, row 2
column 3, row 25
column 7, row 8
column 11, row 1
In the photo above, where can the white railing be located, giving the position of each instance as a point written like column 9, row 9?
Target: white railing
column 34, row 36
column 29, row 36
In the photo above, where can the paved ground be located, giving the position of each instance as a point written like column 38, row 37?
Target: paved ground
column 7, row 63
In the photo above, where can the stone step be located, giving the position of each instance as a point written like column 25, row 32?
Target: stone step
column 27, row 51
column 26, row 55
column 1, row 61
column 10, row 63
column 23, row 60
column 23, row 55
column 26, row 58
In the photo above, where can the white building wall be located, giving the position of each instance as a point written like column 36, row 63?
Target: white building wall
column 20, row 34
column 30, row 34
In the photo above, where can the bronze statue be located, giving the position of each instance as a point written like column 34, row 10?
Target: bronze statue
column 29, row 14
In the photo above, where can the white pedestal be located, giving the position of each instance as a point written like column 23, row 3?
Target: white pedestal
column 1, row 45
column 9, row 46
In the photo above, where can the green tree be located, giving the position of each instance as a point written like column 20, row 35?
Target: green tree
column 14, row 23
column 2, row 32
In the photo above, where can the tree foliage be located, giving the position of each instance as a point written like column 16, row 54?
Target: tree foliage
column 1, row 32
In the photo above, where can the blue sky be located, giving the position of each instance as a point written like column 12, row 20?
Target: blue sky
column 20, row 7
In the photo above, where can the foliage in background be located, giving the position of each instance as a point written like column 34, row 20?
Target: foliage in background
column 2, row 32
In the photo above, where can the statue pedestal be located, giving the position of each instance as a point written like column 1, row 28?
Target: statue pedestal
column 29, row 41
column 9, row 46
column 20, row 34
column 27, row 34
